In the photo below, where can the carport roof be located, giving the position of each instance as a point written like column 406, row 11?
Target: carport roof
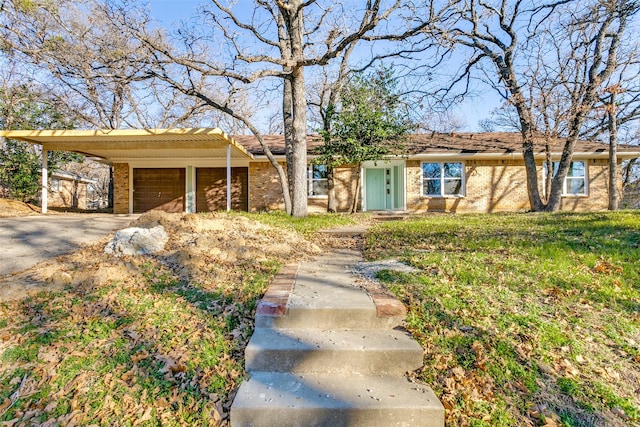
column 112, row 145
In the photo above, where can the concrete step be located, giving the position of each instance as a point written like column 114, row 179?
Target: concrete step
column 353, row 231
column 327, row 296
column 298, row 316
column 333, row 351
column 280, row 399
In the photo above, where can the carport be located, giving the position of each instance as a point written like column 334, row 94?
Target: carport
column 183, row 170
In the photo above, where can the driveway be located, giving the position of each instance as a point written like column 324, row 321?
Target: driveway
column 26, row 241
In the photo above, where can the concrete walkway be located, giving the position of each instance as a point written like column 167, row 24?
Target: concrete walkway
column 28, row 240
column 326, row 353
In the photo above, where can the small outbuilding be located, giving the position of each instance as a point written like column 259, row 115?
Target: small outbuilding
column 69, row 190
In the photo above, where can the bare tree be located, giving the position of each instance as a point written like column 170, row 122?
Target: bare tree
column 619, row 107
column 578, row 43
column 269, row 47
column 89, row 68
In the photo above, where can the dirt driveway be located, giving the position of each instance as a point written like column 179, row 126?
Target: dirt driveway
column 25, row 241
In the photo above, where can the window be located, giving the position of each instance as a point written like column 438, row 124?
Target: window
column 575, row 183
column 317, row 180
column 55, row 184
column 442, row 179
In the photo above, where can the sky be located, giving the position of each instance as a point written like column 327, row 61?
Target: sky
column 477, row 107
column 170, row 11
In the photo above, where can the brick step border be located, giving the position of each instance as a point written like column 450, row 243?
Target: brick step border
column 276, row 299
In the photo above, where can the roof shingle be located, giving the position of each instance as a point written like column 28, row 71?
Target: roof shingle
column 454, row 143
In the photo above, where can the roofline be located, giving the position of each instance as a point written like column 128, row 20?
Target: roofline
column 520, row 156
column 71, row 177
column 490, row 156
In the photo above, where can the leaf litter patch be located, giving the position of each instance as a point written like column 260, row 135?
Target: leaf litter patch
column 157, row 339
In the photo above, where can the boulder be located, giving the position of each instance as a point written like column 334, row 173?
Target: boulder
column 137, row 241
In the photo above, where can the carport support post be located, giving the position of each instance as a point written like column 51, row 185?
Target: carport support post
column 228, row 178
column 45, row 180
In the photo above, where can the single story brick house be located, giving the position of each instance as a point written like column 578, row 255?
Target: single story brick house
column 69, row 190
column 203, row 169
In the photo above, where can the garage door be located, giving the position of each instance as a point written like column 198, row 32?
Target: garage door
column 211, row 189
column 159, row 189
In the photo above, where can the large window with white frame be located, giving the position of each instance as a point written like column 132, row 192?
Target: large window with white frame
column 575, row 183
column 317, row 180
column 442, row 179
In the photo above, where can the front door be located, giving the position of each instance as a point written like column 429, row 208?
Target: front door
column 375, row 189
column 384, row 186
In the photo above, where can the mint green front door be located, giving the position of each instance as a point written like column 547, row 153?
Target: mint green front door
column 384, row 188
column 375, row 190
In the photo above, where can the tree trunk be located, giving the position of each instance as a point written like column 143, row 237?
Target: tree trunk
column 287, row 113
column 530, row 162
column 299, row 146
column 549, row 163
column 614, row 199
column 331, row 191
column 627, row 173
column 557, row 183
column 299, row 109
column 356, row 194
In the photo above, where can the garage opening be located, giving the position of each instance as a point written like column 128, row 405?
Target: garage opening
column 211, row 189
column 159, row 189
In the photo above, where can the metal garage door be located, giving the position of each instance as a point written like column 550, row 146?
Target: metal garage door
column 160, row 189
column 211, row 189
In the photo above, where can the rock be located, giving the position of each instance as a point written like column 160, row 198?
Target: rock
column 137, row 241
column 61, row 278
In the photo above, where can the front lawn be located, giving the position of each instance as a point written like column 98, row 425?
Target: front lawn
column 142, row 340
column 525, row 319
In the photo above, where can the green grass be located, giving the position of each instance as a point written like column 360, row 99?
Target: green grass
column 512, row 311
column 517, row 309
column 150, row 345
column 306, row 226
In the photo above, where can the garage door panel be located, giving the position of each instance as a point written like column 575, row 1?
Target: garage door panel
column 211, row 189
column 159, row 189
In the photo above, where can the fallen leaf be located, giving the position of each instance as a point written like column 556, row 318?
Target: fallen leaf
column 50, row 407
column 5, row 404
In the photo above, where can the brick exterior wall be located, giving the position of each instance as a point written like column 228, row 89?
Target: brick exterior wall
column 631, row 199
column 121, row 188
column 265, row 192
column 597, row 198
column 491, row 186
column 494, row 186
column 345, row 186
